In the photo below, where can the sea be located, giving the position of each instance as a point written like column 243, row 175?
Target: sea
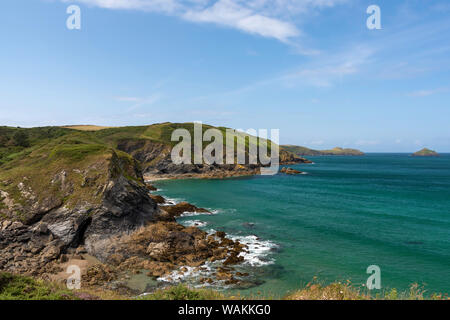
column 344, row 214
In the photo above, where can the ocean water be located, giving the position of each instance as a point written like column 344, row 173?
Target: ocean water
column 345, row 214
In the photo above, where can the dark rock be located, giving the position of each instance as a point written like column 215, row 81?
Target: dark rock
column 182, row 207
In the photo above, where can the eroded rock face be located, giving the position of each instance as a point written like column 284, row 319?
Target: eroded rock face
column 124, row 205
column 183, row 207
column 28, row 250
column 167, row 169
column 162, row 247
column 287, row 158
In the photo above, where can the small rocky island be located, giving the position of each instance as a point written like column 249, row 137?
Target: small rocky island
column 426, row 153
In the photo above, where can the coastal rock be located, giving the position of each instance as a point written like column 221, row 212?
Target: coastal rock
column 162, row 247
column 426, row 153
column 158, row 199
column 108, row 206
column 183, row 207
column 287, row 158
column 290, row 171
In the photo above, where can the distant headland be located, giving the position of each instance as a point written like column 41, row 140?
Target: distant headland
column 303, row 151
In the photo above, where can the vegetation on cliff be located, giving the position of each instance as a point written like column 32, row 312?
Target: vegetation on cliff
column 15, row 287
column 303, row 151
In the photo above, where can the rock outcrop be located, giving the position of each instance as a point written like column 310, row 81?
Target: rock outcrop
column 426, row 153
column 102, row 199
column 290, row 171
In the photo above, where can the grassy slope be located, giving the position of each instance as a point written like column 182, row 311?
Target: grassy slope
column 49, row 151
column 35, row 156
column 14, row 287
column 77, row 143
column 303, row 151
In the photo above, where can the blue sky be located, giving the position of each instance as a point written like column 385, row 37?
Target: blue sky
column 308, row 67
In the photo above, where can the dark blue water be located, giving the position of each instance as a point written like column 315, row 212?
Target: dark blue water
column 347, row 213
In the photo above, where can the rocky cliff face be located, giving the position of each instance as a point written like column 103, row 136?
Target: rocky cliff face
column 95, row 201
column 287, row 157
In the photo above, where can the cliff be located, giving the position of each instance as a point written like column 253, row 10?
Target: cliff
column 64, row 192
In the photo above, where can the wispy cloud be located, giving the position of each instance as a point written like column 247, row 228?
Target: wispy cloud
column 128, row 99
column 425, row 93
column 232, row 14
column 327, row 70
column 363, row 142
column 139, row 102
column 266, row 18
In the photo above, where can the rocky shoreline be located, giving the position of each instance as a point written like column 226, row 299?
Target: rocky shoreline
column 157, row 249
column 70, row 202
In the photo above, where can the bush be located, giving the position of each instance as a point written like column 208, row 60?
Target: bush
column 21, row 139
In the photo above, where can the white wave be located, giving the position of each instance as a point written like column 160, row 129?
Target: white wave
column 255, row 256
column 170, row 201
column 258, row 250
column 194, row 223
column 190, row 274
column 193, row 214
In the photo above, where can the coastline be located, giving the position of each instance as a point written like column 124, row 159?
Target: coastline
column 218, row 274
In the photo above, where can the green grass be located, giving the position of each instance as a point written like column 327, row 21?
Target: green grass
column 315, row 290
column 181, row 292
column 76, row 152
column 13, row 287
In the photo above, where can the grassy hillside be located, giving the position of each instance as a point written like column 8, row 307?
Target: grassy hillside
column 303, row 151
column 15, row 287
column 56, row 166
column 78, row 141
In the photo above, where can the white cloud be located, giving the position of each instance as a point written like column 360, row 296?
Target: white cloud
column 230, row 13
column 363, row 142
column 139, row 102
column 317, row 143
column 425, row 93
column 128, row 99
column 266, row 18
column 325, row 71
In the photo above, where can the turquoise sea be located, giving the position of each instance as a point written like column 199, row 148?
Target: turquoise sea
column 345, row 214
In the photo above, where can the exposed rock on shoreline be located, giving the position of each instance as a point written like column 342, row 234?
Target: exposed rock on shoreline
column 290, row 171
column 183, row 207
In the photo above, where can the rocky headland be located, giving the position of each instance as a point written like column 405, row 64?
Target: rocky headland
column 70, row 197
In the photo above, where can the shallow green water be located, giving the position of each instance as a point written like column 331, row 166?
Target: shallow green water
column 347, row 213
